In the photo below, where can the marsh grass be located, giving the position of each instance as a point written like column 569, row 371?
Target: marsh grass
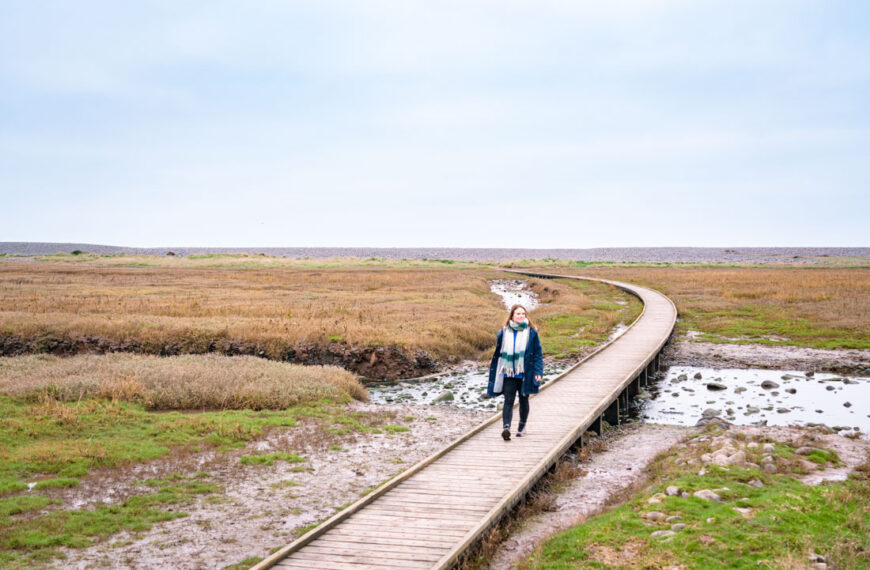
column 788, row 519
column 815, row 307
column 187, row 382
column 177, row 307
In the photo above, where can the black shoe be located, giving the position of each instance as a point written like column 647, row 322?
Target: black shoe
column 506, row 434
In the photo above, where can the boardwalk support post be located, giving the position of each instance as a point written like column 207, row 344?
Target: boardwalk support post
column 611, row 414
column 596, row 426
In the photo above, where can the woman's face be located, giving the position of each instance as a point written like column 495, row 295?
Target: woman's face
column 519, row 316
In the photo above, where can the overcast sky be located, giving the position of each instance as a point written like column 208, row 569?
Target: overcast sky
column 467, row 124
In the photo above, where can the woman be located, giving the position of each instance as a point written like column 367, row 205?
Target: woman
column 516, row 367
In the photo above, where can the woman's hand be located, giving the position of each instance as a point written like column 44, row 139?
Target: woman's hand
column 538, row 378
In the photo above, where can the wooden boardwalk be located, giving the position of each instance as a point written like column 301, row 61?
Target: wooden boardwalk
column 429, row 515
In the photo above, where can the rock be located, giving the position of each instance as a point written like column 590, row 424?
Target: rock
column 678, row 526
column 698, row 376
column 673, row 519
column 707, row 495
column 767, row 459
column 446, row 396
column 710, row 413
column 768, row 448
column 849, row 381
column 769, row 385
column 739, row 389
column 847, row 405
column 809, row 374
column 654, row 516
column 716, row 386
column 702, row 472
column 662, row 533
column 770, row 468
column 751, row 410
column 745, row 511
column 682, row 378
column 752, row 445
column 756, row 483
column 711, row 520
column 753, row 465
column 830, row 388
column 791, row 390
column 816, row 557
column 684, row 495
column 805, row 450
column 724, row 424
column 738, row 458
column 783, row 410
column 672, row 491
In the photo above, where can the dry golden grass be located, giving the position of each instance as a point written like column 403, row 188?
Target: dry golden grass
column 816, row 307
column 189, row 382
column 448, row 312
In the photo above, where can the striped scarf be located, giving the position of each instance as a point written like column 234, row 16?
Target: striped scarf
column 510, row 362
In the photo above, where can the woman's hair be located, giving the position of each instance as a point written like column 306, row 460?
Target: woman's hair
column 511, row 315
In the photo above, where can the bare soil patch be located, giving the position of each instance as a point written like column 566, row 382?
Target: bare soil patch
column 261, row 506
column 840, row 361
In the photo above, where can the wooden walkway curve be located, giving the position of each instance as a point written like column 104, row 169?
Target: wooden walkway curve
column 429, row 515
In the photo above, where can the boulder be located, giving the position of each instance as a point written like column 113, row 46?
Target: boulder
column 698, row 376
column 445, row 396
column 769, row 385
column 672, row 491
column 678, row 526
column 654, row 516
column 673, row 519
column 716, row 386
column 707, row 495
column 662, row 533
column 738, row 458
column 770, row 468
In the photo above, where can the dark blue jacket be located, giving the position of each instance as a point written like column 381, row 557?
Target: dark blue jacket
column 533, row 365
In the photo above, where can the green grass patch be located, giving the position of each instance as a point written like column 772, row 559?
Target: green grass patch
column 270, row 458
column 396, row 429
column 17, row 505
column 568, row 334
column 244, row 564
column 26, row 540
column 69, row 439
column 785, row 521
column 57, row 483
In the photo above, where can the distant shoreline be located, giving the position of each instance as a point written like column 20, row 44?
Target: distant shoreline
column 615, row 254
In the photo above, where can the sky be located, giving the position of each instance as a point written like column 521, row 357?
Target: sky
column 545, row 124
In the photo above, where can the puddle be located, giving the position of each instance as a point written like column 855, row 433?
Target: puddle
column 760, row 397
column 513, row 292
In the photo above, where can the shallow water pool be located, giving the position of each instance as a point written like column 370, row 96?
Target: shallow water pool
column 759, row 397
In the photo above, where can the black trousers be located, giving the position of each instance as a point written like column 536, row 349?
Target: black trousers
column 511, row 389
